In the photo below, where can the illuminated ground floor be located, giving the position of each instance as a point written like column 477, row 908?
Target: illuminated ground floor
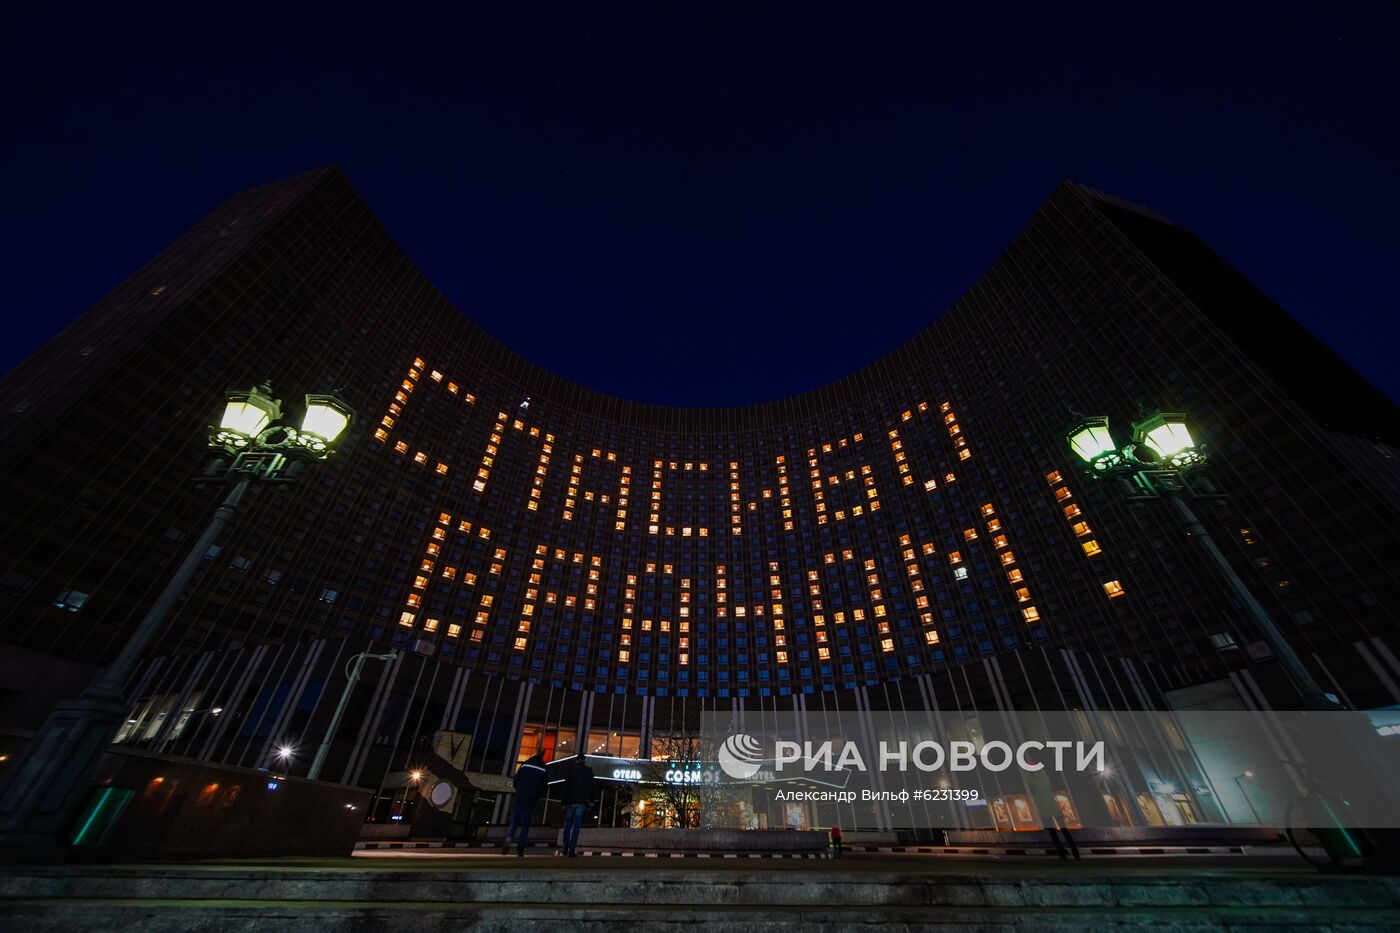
column 270, row 707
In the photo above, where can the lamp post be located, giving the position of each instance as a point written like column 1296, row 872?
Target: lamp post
column 252, row 445
column 1105, row 778
column 352, row 674
column 1245, row 795
column 1159, row 463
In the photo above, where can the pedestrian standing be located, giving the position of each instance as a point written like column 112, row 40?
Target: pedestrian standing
column 836, row 839
column 578, row 795
column 530, row 781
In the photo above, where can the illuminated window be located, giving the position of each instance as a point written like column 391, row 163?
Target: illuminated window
column 1113, row 588
column 1054, row 477
column 1072, row 511
column 1031, row 613
column 1082, row 528
column 1023, row 595
column 406, row 618
column 931, row 637
column 1091, row 547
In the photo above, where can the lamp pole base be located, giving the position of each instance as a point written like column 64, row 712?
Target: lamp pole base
column 39, row 802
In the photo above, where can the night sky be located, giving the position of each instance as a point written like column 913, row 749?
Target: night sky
column 703, row 203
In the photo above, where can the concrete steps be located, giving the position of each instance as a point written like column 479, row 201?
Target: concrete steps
column 545, row 894
column 329, row 917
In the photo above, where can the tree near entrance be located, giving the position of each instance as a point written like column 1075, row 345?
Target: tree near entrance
column 682, row 785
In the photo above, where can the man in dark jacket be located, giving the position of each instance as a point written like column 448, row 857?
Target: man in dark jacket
column 578, row 794
column 530, row 781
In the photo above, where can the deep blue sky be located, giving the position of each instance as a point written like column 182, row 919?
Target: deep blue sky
column 707, row 203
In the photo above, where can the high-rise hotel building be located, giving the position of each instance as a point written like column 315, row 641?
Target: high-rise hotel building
column 565, row 570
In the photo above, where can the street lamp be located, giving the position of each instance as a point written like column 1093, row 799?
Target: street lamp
column 1093, row 442
column 326, row 417
column 246, row 413
column 1123, row 802
column 1161, row 463
column 1245, row 795
column 251, row 443
column 1167, row 436
column 352, row 674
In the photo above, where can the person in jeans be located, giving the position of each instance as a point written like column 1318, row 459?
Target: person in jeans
column 578, row 794
column 530, row 781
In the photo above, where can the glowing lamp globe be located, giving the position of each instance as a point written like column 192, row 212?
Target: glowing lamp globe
column 1165, row 434
column 247, row 412
column 1090, row 439
column 327, row 417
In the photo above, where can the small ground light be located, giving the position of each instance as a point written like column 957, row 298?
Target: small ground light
column 285, row 751
column 416, row 776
